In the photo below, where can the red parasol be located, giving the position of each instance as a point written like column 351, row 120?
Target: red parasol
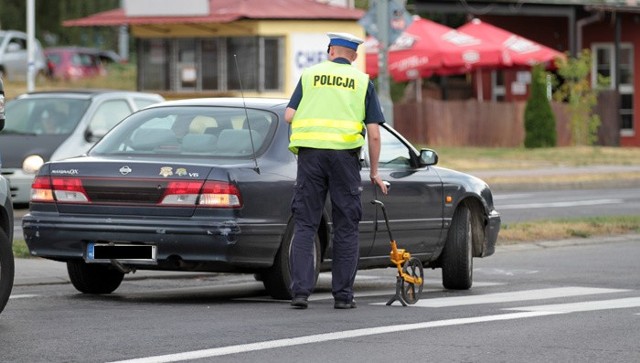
column 427, row 47
column 522, row 51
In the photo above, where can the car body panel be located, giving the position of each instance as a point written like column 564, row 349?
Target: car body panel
column 247, row 239
column 88, row 113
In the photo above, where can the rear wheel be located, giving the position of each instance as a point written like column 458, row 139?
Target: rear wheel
column 94, row 279
column 457, row 259
column 277, row 279
column 7, row 269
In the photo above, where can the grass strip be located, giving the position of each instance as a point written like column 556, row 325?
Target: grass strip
column 559, row 229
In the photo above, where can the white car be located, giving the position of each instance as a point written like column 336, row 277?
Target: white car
column 14, row 56
column 53, row 125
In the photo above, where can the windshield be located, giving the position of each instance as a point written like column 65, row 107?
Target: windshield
column 44, row 116
column 190, row 131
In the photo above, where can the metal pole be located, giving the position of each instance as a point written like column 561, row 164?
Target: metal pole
column 31, row 44
column 384, row 91
column 123, row 39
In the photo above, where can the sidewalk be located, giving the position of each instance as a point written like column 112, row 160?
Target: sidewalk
column 561, row 177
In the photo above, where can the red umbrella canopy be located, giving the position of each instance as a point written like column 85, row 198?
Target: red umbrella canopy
column 372, row 48
column 522, row 51
column 427, row 47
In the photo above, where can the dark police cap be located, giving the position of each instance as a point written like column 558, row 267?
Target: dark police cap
column 344, row 40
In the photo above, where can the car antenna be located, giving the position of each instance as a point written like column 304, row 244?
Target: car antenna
column 246, row 113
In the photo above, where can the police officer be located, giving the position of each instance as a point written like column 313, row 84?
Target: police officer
column 329, row 111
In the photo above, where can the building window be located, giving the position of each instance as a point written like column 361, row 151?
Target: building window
column 604, row 65
column 153, row 67
column 212, row 64
column 497, row 85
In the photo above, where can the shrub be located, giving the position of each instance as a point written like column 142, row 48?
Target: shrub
column 539, row 120
column 580, row 97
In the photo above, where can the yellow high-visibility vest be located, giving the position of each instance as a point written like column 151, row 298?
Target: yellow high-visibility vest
column 331, row 113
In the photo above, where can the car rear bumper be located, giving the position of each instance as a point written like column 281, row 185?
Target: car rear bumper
column 182, row 245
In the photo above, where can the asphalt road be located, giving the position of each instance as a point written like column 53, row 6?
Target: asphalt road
column 554, row 302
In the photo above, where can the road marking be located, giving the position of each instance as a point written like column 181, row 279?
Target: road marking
column 523, row 312
column 505, row 272
column 511, row 196
column 631, row 302
column 319, row 338
column 502, row 297
column 23, row 296
column 560, row 204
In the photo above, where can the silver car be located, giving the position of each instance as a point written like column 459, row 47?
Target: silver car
column 53, row 125
column 14, row 56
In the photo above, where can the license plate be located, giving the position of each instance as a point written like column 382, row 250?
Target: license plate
column 105, row 252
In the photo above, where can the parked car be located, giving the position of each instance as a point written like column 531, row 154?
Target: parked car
column 52, row 125
column 206, row 185
column 73, row 63
column 6, row 226
column 14, row 56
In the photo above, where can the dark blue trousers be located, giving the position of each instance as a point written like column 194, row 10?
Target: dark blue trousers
column 338, row 173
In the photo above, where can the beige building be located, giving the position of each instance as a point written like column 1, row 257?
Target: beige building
column 201, row 46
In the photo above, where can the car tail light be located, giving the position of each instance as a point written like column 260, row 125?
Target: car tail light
column 220, row 194
column 214, row 194
column 181, row 193
column 45, row 189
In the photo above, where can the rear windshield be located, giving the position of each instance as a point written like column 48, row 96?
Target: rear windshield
column 191, row 131
column 44, row 116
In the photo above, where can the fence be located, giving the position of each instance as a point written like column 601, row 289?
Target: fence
column 469, row 123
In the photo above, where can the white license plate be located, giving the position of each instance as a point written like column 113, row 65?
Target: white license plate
column 105, row 252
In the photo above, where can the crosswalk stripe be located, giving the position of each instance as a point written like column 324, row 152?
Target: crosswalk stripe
column 23, row 296
column 502, row 297
column 624, row 303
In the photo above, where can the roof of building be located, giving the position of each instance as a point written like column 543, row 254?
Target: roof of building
column 225, row 11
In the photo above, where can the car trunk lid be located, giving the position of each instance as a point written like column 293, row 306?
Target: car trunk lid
column 135, row 188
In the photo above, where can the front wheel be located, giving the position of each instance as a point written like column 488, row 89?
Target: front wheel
column 277, row 279
column 7, row 269
column 457, row 259
column 93, row 279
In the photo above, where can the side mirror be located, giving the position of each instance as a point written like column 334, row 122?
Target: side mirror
column 93, row 136
column 428, row 157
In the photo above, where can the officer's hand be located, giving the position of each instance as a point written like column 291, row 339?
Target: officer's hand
column 375, row 179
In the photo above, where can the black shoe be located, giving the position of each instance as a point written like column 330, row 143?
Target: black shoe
column 299, row 302
column 340, row 304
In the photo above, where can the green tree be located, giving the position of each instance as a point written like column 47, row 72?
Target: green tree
column 539, row 120
column 580, row 97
